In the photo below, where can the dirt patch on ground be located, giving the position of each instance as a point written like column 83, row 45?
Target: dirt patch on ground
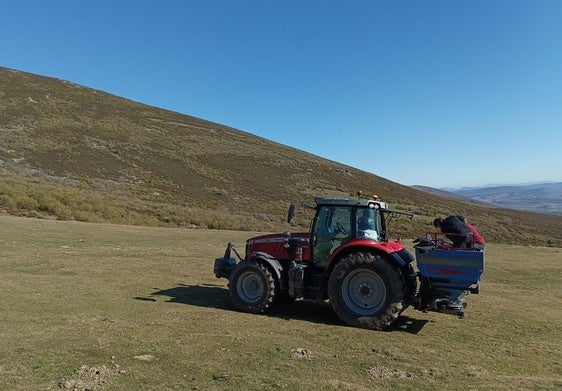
column 380, row 372
column 301, row 353
column 145, row 357
column 88, row 378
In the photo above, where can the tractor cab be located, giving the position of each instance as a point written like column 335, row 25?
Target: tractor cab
column 339, row 221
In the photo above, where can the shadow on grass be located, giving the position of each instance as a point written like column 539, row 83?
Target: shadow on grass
column 408, row 325
column 206, row 295
column 216, row 296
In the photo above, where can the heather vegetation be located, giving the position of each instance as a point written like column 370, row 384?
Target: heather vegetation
column 69, row 152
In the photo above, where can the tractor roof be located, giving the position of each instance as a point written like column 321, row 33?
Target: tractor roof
column 357, row 202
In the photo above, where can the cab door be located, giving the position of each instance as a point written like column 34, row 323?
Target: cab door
column 332, row 227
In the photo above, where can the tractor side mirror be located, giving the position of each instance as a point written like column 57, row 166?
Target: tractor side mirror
column 291, row 213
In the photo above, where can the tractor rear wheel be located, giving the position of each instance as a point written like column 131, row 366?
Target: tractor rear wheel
column 252, row 287
column 366, row 291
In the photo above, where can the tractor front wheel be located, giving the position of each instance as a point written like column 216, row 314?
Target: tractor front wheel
column 252, row 287
column 366, row 291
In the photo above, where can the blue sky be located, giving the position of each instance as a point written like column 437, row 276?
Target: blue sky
column 439, row 93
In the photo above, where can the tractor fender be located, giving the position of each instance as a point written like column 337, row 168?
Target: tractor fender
column 272, row 263
column 394, row 251
column 402, row 257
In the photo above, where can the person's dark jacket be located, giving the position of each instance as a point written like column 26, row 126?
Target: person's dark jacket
column 461, row 235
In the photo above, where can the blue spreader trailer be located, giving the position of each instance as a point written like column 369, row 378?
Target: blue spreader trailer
column 447, row 275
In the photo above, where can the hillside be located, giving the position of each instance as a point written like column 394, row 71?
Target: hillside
column 442, row 192
column 74, row 153
column 542, row 197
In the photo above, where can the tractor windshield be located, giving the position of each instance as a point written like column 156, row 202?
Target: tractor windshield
column 368, row 223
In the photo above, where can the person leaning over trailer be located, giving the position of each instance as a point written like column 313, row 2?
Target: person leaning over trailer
column 478, row 240
column 455, row 230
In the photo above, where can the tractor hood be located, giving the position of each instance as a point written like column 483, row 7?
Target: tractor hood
column 274, row 244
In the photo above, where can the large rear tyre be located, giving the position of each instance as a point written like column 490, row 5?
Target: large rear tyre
column 366, row 291
column 252, row 287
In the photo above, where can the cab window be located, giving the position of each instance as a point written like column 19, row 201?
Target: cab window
column 331, row 229
column 368, row 223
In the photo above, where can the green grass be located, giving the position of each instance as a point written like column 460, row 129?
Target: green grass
column 95, row 296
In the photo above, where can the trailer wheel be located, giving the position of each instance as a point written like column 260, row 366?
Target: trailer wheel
column 366, row 291
column 252, row 287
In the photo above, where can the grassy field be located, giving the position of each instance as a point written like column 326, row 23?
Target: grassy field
column 92, row 306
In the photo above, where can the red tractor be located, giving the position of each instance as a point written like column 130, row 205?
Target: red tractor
column 346, row 258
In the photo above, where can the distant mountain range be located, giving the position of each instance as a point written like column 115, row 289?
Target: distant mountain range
column 543, row 197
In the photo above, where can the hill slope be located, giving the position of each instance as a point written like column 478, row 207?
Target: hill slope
column 71, row 152
column 543, row 197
